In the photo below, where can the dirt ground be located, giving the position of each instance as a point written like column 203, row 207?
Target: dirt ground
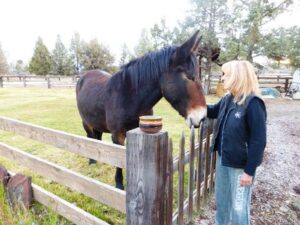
column 276, row 192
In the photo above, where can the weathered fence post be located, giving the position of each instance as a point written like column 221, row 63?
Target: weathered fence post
column 1, row 82
column 286, row 85
column 24, row 81
column 48, row 82
column 146, row 177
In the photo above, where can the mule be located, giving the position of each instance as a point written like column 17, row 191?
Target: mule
column 114, row 103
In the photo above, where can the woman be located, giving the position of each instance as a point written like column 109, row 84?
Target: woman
column 240, row 139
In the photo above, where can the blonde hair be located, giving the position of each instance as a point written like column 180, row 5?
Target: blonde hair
column 241, row 80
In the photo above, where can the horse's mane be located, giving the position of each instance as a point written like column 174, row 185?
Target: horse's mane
column 148, row 67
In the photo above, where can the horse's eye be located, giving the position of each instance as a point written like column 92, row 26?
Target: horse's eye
column 191, row 77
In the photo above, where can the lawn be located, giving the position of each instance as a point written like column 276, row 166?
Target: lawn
column 56, row 108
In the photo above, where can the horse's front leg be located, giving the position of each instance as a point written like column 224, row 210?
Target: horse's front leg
column 119, row 138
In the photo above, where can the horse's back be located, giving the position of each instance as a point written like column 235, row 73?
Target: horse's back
column 92, row 78
column 91, row 98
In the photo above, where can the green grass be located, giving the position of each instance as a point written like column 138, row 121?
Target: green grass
column 56, row 108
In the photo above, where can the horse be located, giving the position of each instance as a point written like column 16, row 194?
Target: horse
column 114, row 103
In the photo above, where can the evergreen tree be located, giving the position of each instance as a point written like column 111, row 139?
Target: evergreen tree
column 97, row 56
column 3, row 62
column 20, row 67
column 61, row 61
column 245, row 25
column 293, row 46
column 161, row 35
column 40, row 62
column 207, row 16
column 274, row 45
column 76, row 51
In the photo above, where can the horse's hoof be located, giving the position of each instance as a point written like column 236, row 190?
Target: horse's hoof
column 92, row 162
column 120, row 186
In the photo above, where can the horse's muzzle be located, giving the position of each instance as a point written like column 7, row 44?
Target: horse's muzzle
column 195, row 116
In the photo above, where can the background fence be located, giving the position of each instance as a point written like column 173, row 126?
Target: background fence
column 281, row 82
column 49, row 81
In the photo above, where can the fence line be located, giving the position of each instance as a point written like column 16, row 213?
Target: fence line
column 281, row 81
column 264, row 80
column 48, row 81
column 111, row 154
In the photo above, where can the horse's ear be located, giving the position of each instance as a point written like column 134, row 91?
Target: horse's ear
column 197, row 42
column 188, row 47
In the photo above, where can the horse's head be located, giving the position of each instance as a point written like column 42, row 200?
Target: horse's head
column 181, row 86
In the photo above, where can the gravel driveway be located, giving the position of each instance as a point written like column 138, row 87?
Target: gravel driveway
column 276, row 192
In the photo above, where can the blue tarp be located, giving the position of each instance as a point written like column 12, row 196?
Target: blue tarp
column 270, row 92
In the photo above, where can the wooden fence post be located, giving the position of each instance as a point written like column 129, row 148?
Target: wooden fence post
column 48, row 82
column 146, row 177
column 1, row 82
column 286, row 85
column 24, row 81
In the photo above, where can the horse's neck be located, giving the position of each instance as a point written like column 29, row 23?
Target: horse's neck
column 149, row 95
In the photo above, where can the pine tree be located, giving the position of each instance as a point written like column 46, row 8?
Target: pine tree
column 76, row 51
column 61, row 61
column 40, row 62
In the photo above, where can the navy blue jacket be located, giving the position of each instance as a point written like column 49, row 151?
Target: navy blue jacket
column 242, row 138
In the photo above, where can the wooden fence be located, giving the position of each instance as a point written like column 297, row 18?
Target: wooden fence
column 49, row 81
column 281, row 82
column 150, row 169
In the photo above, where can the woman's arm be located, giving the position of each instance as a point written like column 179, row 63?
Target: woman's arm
column 213, row 110
column 256, row 119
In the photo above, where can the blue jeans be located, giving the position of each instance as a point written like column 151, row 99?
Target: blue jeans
column 232, row 200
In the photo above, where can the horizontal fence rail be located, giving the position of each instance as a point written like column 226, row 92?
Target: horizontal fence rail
column 64, row 208
column 111, row 154
column 95, row 189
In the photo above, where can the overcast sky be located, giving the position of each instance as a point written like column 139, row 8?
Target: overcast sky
column 112, row 22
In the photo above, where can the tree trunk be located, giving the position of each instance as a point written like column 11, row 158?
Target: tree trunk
column 250, row 52
column 208, row 70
